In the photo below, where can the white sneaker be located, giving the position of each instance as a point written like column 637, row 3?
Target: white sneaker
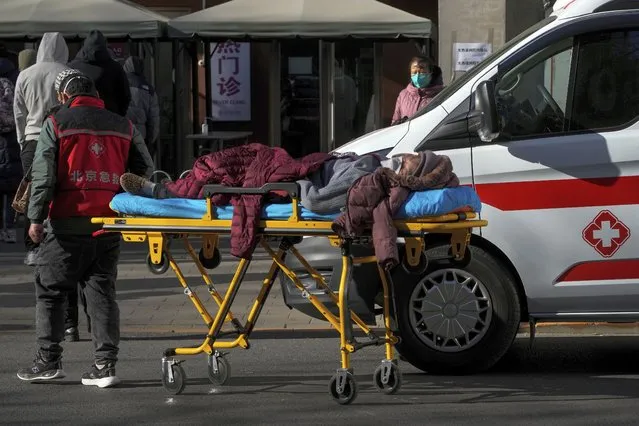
column 9, row 236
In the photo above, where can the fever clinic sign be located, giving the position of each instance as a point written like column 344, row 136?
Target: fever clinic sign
column 231, row 81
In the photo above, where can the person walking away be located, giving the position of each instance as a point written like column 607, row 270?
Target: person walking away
column 144, row 110
column 34, row 97
column 26, row 58
column 10, row 164
column 110, row 80
column 425, row 83
column 82, row 151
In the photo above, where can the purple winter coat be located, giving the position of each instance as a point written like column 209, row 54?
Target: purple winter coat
column 412, row 99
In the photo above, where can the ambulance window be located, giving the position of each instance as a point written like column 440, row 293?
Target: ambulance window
column 606, row 81
column 532, row 97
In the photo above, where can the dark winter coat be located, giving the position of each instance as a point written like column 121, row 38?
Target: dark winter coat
column 109, row 77
column 10, row 164
column 248, row 166
column 144, row 109
column 373, row 200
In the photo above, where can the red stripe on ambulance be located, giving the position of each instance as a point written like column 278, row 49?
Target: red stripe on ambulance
column 623, row 269
column 560, row 194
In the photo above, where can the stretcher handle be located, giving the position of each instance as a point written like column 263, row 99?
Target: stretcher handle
column 292, row 188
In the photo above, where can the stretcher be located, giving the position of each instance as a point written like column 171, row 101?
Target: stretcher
column 286, row 233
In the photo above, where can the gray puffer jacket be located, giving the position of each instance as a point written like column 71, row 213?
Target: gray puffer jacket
column 144, row 110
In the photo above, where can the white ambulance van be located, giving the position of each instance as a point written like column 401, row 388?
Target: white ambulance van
column 547, row 131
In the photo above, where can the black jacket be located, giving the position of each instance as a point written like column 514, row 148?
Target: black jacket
column 109, row 77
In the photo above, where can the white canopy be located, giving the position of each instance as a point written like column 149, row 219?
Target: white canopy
column 301, row 18
column 115, row 18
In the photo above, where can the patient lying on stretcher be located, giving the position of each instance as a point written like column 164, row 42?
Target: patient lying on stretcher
column 365, row 192
column 324, row 179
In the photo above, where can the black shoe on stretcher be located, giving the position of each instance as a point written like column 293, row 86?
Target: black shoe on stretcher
column 137, row 185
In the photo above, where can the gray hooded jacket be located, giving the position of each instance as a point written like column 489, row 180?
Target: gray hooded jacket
column 34, row 94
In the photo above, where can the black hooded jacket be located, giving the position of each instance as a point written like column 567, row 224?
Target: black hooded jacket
column 109, row 77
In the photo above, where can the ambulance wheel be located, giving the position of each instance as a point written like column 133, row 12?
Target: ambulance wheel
column 210, row 263
column 348, row 394
column 456, row 321
column 178, row 384
column 160, row 268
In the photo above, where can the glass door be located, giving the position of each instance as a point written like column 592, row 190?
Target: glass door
column 300, row 96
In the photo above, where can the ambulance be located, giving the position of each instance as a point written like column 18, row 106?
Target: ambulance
column 547, row 131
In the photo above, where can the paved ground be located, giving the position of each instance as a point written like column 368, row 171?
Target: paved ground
column 561, row 381
column 152, row 304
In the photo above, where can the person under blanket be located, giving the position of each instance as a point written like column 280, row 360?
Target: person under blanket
column 248, row 166
column 373, row 200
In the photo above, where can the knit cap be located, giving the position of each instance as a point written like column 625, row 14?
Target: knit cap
column 65, row 75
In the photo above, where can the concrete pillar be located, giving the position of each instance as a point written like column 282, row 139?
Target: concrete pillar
column 469, row 21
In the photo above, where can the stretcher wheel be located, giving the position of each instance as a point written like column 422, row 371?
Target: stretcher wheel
column 349, row 392
column 416, row 270
column 223, row 370
column 461, row 264
column 394, row 381
column 179, row 380
column 213, row 262
column 160, row 268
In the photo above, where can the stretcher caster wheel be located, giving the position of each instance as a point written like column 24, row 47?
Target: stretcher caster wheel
column 419, row 269
column 343, row 387
column 463, row 262
column 160, row 268
column 219, row 369
column 387, row 378
column 213, row 262
column 174, row 382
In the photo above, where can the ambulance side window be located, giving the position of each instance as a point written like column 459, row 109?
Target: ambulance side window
column 532, row 97
column 606, row 92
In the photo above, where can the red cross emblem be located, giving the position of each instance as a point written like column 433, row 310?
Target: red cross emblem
column 606, row 234
column 96, row 148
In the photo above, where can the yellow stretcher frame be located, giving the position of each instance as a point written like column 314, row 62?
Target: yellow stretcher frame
column 343, row 388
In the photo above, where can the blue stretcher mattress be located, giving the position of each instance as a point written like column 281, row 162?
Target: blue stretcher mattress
column 433, row 202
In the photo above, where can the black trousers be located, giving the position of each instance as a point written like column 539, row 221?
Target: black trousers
column 63, row 262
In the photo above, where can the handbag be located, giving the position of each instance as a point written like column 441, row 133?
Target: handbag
column 21, row 199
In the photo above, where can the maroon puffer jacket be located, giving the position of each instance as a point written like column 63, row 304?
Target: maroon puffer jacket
column 248, row 166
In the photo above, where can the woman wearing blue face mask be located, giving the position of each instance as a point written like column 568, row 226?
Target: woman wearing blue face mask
column 425, row 83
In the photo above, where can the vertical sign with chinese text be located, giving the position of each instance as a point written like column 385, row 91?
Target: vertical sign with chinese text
column 231, row 81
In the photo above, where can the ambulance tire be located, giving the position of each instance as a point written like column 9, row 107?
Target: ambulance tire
column 497, row 339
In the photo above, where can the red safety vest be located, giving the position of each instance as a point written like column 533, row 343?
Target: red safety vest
column 93, row 151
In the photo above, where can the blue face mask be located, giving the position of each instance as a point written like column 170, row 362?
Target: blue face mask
column 420, row 80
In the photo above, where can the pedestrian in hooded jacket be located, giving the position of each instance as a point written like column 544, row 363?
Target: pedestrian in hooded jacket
column 34, row 97
column 10, row 164
column 110, row 79
column 425, row 83
column 144, row 110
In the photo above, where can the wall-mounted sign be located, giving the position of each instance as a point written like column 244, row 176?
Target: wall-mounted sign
column 467, row 55
column 231, row 81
